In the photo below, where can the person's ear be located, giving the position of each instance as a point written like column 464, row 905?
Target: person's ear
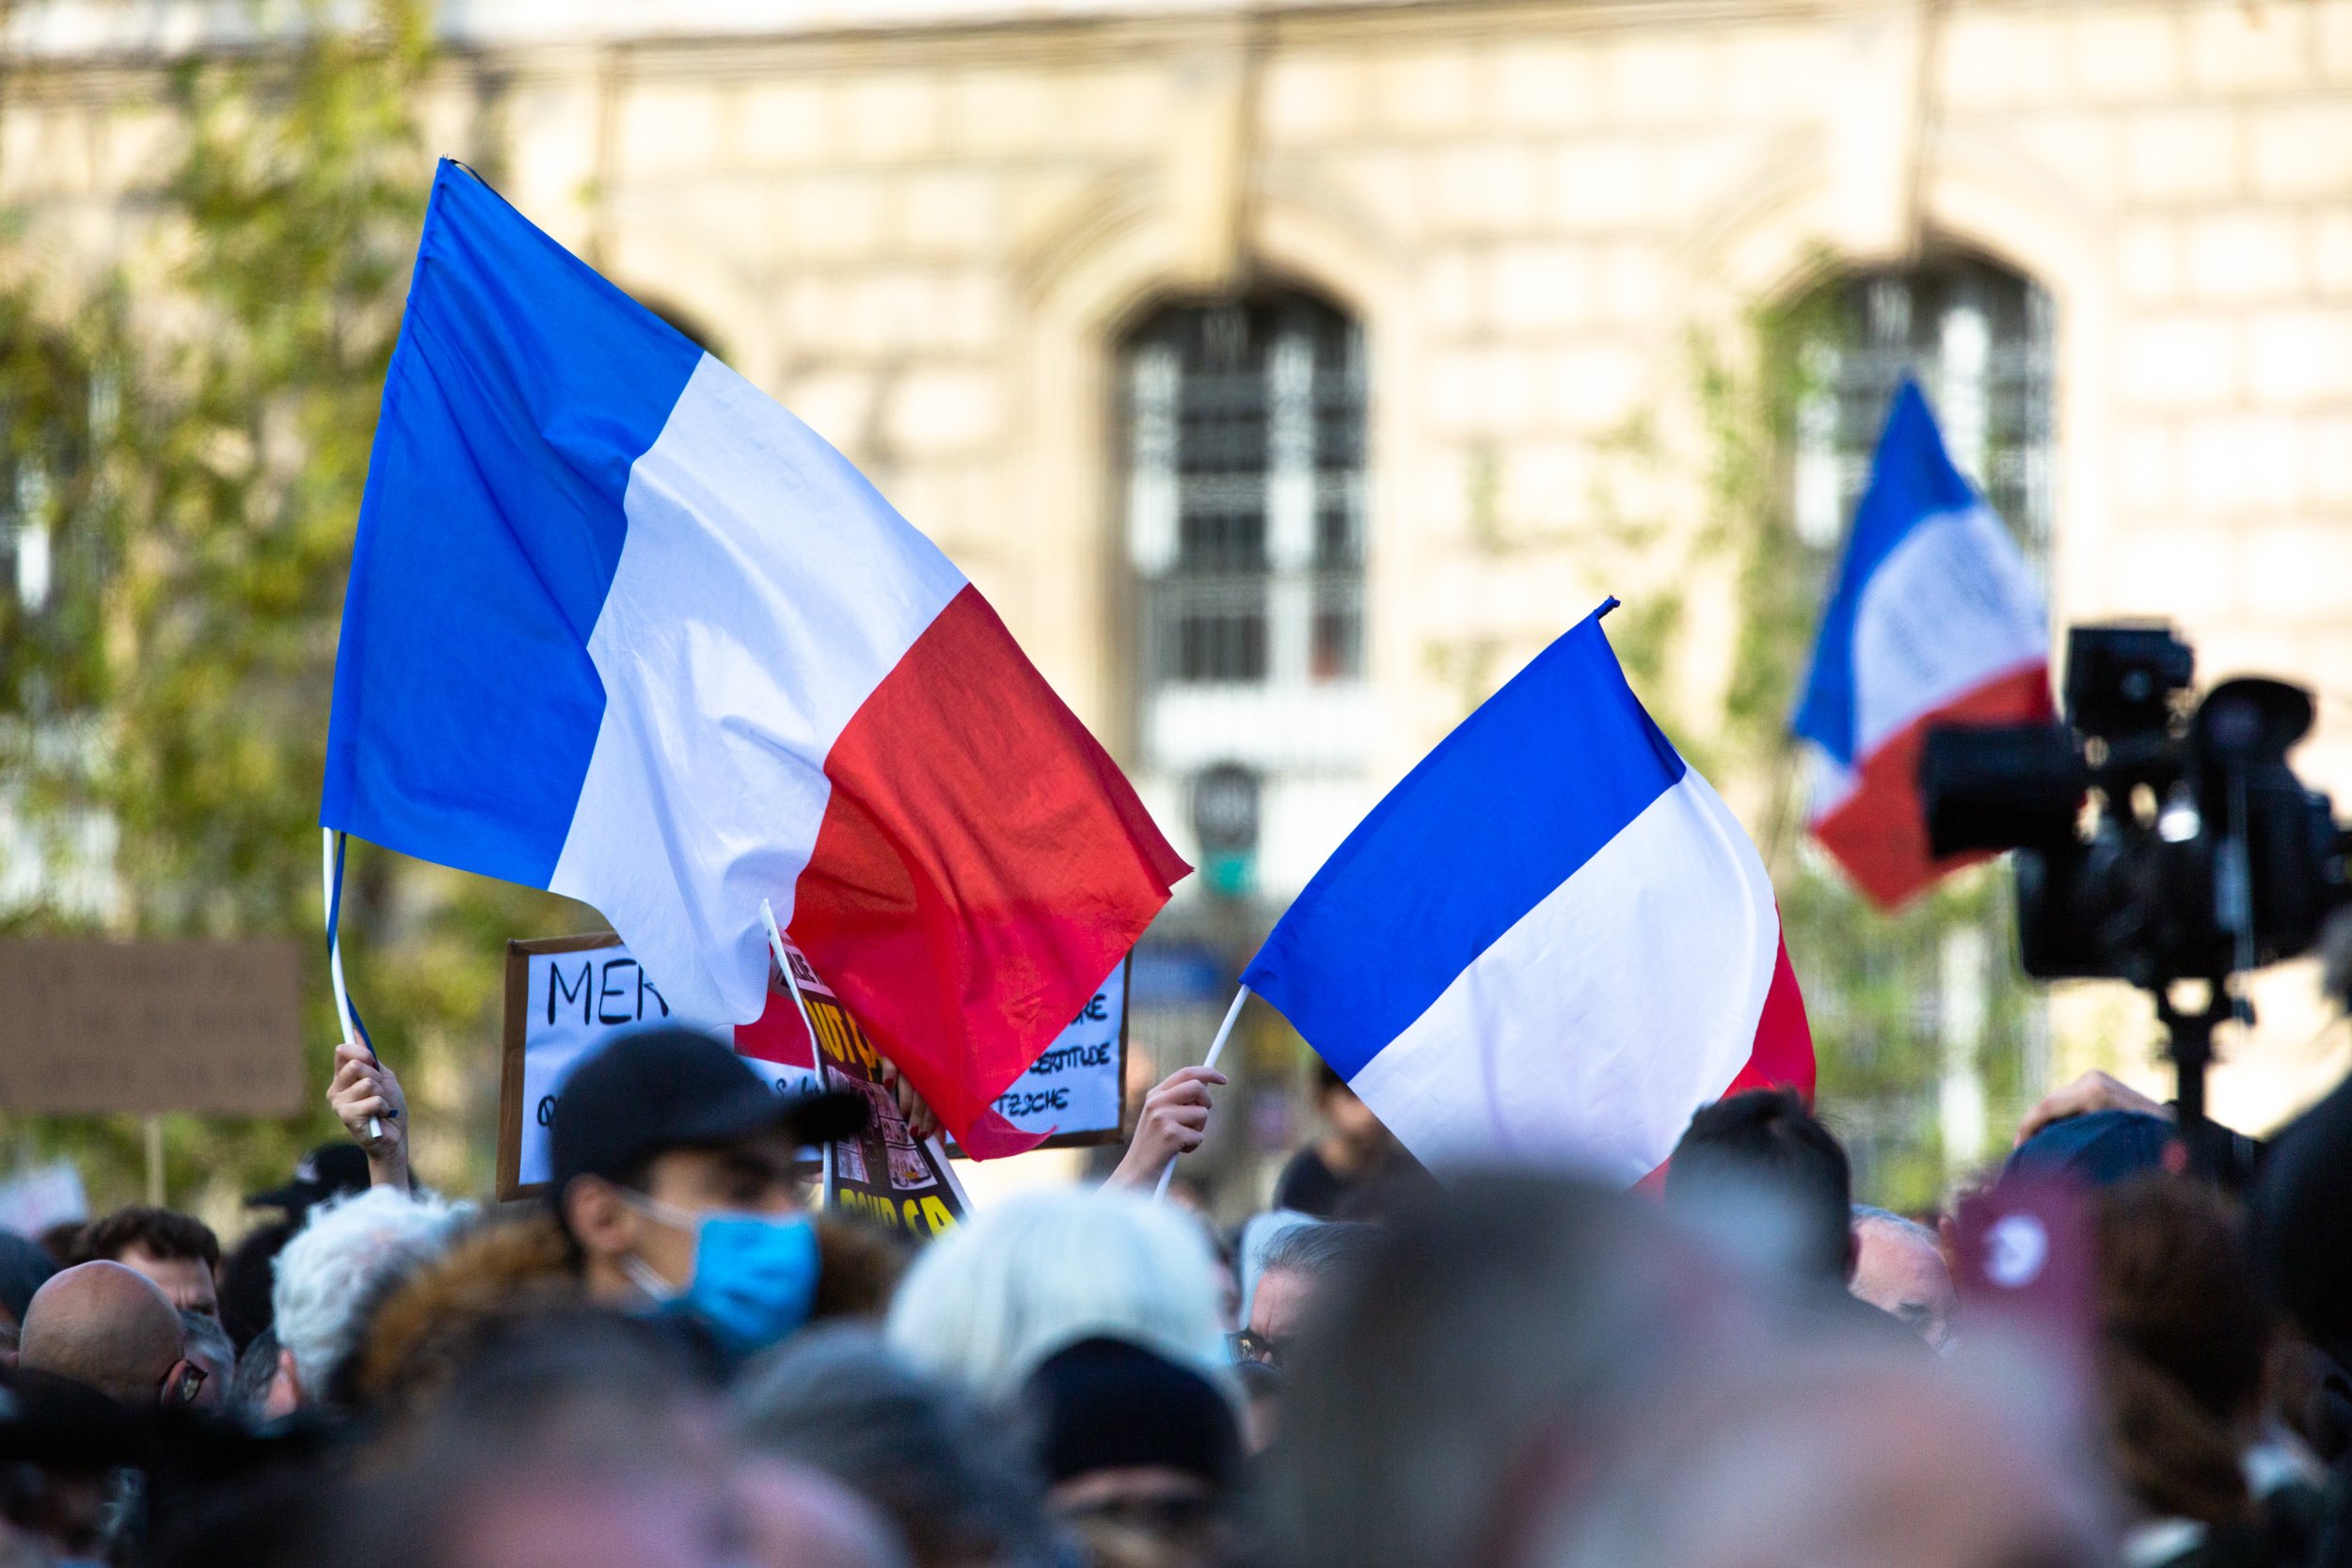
column 604, row 1226
column 290, row 1375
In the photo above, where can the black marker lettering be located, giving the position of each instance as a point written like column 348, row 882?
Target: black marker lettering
column 555, row 983
column 605, row 1015
column 644, row 986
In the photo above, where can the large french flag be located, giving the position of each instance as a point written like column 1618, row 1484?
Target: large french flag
column 620, row 626
column 1553, row 940
column 1935, row 620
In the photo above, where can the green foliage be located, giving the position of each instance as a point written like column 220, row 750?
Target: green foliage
column 1750, row 408
column 1884, row 990
column 300, row 194
column 203, row 474
column 1876, row 984
column 49, row 485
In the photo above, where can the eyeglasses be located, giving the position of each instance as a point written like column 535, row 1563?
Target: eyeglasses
column 182, row 1384
column 1250, row 1345
column 1180, row 1514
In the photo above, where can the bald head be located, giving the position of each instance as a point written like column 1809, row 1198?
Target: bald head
column 106, row 1325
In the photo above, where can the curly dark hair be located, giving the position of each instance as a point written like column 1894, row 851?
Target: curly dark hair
column 157, row 1232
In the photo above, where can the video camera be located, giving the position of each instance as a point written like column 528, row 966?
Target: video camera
column 2158, row 838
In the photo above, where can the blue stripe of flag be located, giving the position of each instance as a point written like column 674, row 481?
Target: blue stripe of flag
column 1504, row 810
column 1912, row 478
column 522, row 390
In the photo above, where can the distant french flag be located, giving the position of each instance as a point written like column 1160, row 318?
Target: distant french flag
column 620, row 626
column 1935, row 620
column 1551, row 940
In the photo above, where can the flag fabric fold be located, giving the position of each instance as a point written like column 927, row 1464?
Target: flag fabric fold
column 1552, row 939
column 1935, row 620
column 620, row 626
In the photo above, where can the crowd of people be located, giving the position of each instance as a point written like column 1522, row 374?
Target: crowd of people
column 2130, row 1347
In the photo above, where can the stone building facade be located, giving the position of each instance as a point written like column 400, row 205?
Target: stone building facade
column 944, row 233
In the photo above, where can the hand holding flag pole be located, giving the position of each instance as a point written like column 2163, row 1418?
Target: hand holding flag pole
column 531, row 405
column 1217, row 1049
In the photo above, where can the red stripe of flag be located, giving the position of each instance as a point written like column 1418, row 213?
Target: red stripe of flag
column 981, row 865
column 1878, row 831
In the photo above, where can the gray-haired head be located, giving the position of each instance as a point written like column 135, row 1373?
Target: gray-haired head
column 1899, row 1269
column 256, row 1368
column 989, row 1301
column 1490, row 1325
column 1871, row 1214
column 338, row 1266
column 1321, row 1249
column 948, row 1474
column 209, row 1346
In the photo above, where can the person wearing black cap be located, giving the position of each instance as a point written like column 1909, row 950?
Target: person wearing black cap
column 672, row 1176
column 331, row 1170
column 249, row 1268
column 1140, row 1454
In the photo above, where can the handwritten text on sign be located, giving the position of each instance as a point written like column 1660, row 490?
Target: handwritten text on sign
column 573, row 1002
column 1075, row 1089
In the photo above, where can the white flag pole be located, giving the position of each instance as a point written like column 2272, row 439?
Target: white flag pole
column 815, row 1046
column 331, row 880
column 1217, row 1049
column 775, row 946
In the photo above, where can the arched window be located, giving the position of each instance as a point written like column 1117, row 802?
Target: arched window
column 1244, row 424
column 1929, row 1038
column 1979, row 337
column 1240, row 435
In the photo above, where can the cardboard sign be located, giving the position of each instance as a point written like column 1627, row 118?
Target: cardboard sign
column 142, row 1026
column 568, row 996
column 1077, row 1089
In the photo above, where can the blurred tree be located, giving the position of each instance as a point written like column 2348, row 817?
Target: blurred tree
column 1916, row 1014
column 198, row 480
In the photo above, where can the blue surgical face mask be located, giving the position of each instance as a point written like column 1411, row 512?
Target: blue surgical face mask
column 754, row 1277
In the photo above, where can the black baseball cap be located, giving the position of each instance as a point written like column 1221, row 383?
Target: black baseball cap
column 331, row 1170
column 648, row 1093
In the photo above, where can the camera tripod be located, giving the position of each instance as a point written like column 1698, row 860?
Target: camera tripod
column 2188, row 1040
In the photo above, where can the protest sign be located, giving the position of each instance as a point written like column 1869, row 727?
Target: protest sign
column 147, row 1026
column 566, row 998
column 33, row 1201
column 884, row 1174
column 1077, row 1089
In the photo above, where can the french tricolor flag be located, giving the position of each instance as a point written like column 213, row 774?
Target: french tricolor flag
column 1935, row 620
column 620, row 626
column 1551, row 940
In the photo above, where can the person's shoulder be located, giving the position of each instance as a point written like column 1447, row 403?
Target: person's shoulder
column 1307, row 1184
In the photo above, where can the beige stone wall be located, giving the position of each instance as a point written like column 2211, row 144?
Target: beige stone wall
column 924, row 242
